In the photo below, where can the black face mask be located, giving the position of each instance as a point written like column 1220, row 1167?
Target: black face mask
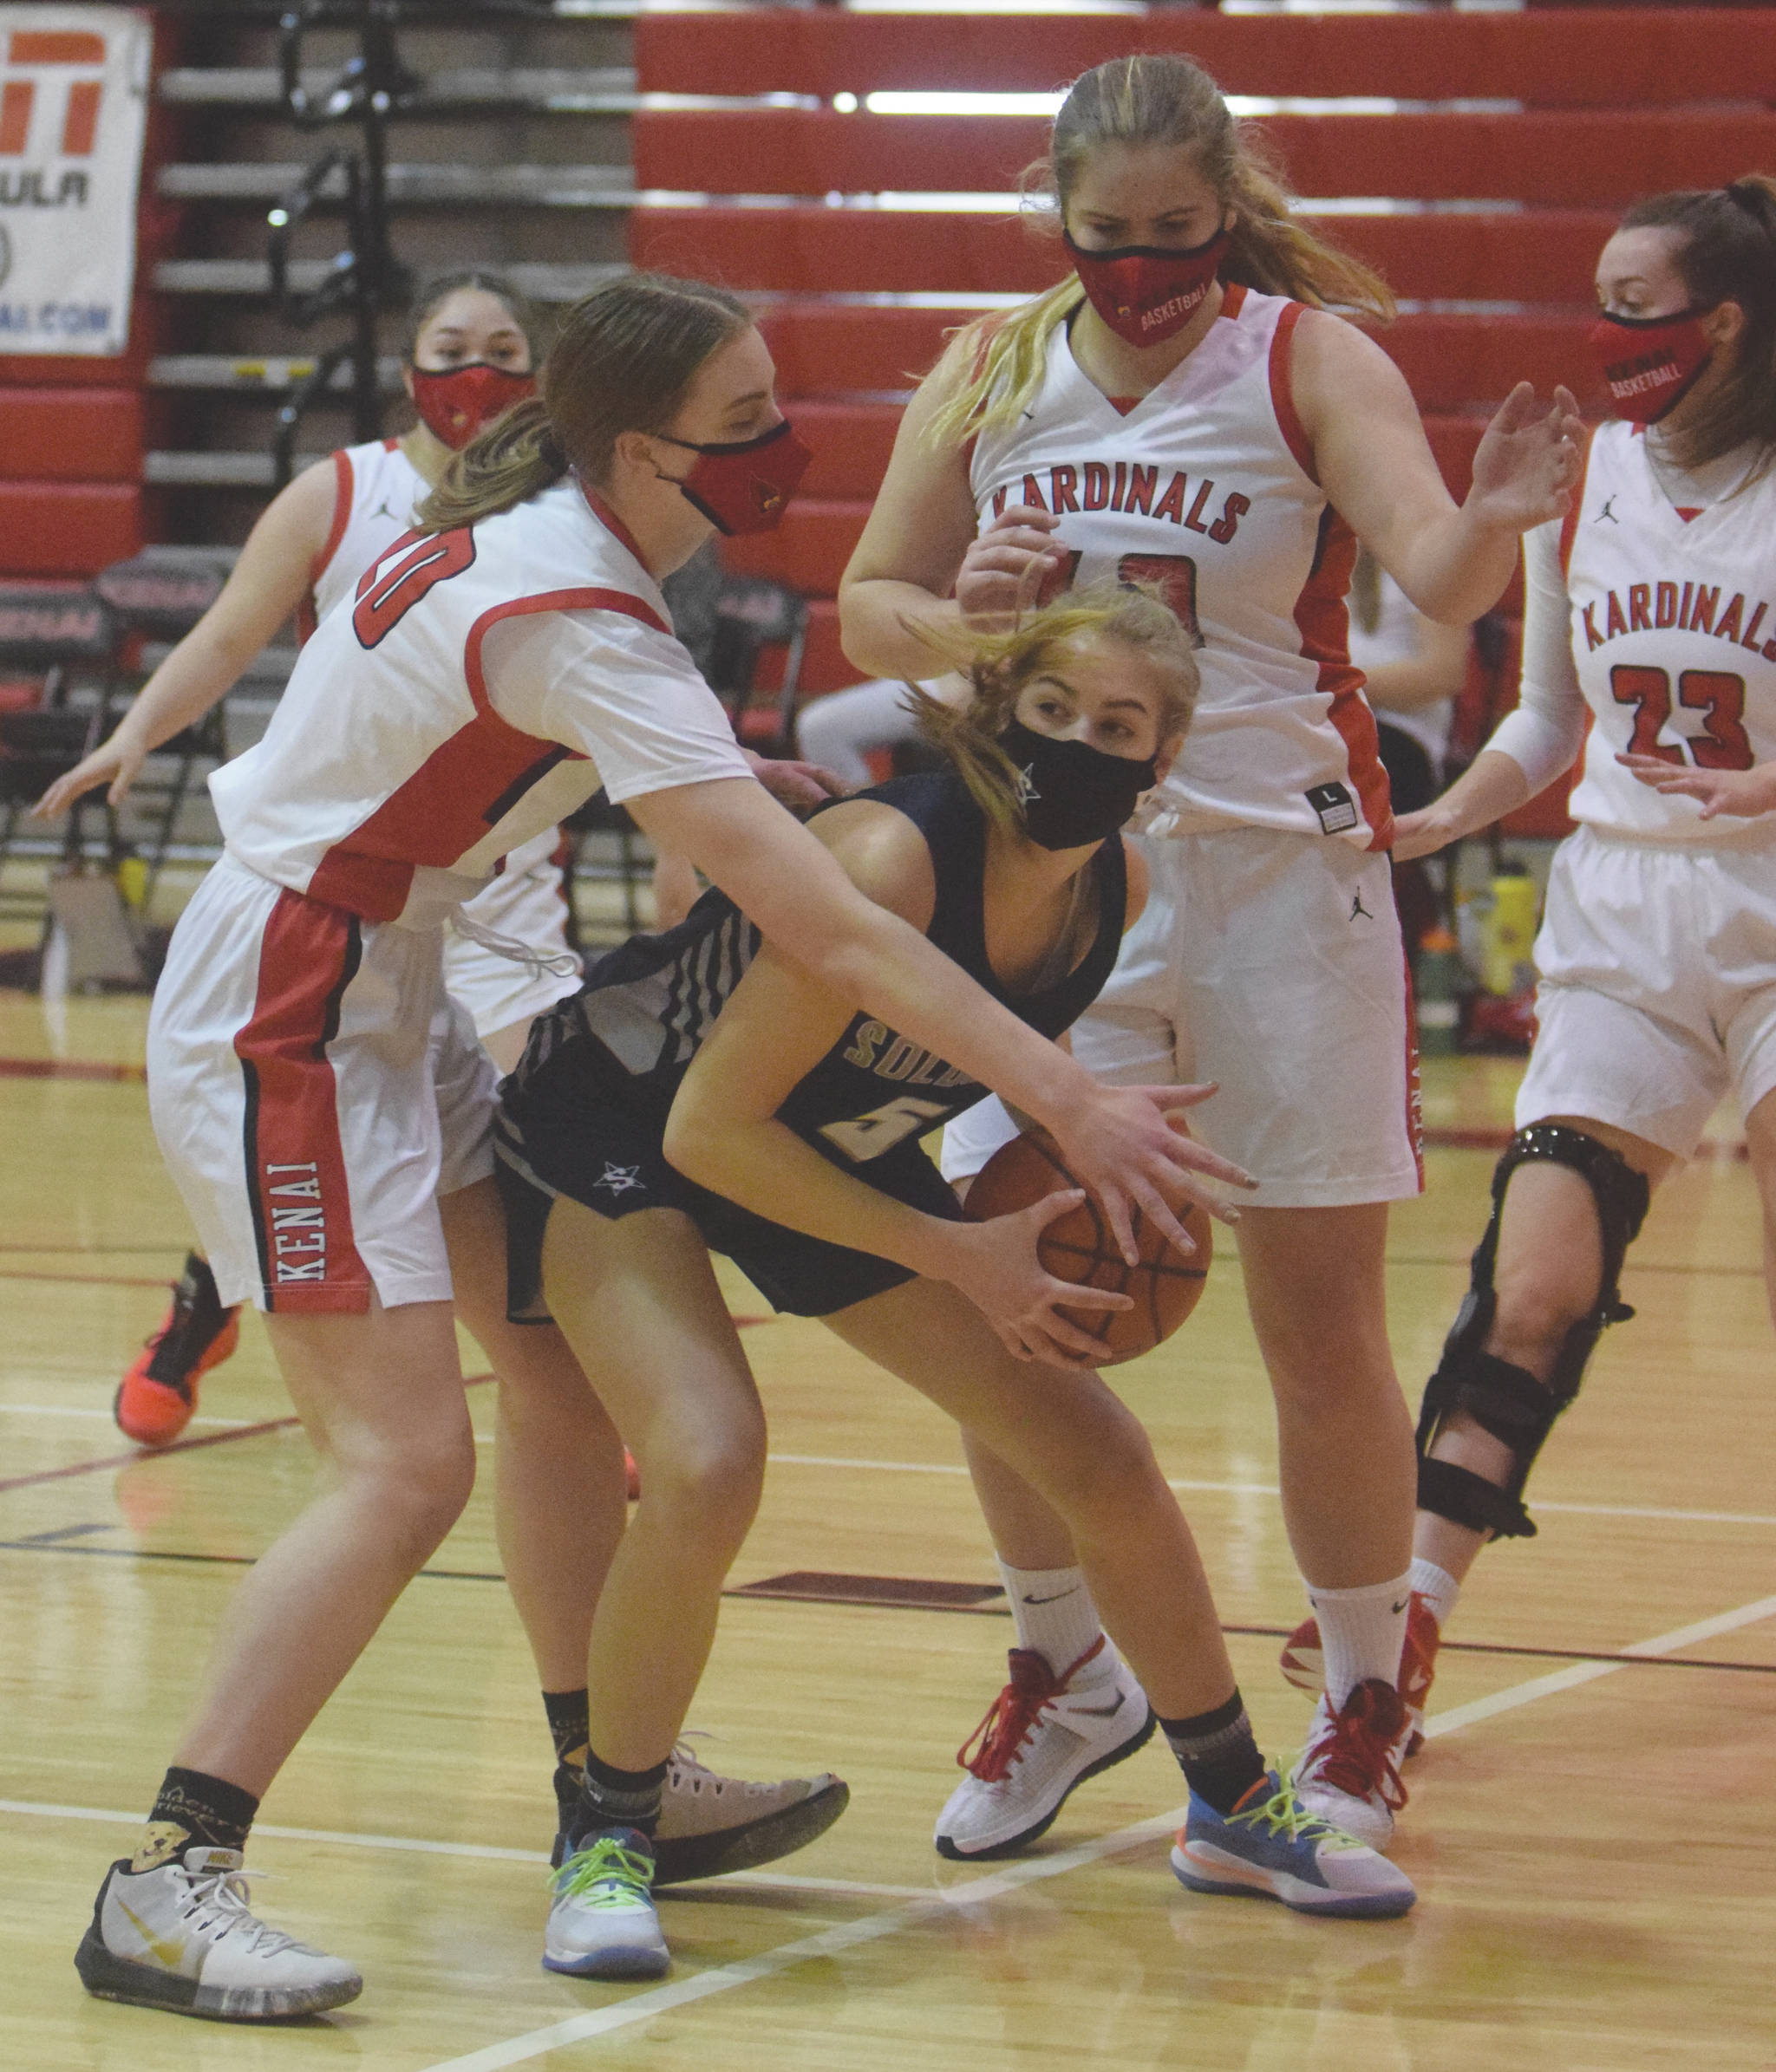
column 1073, row 793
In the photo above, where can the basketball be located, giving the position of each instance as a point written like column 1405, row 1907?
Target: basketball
column 1079, row 1247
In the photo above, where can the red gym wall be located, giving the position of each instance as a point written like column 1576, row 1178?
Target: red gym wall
column 73, row 430
column 1609, row 110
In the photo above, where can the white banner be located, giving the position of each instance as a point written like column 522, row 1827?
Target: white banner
column 73, row 92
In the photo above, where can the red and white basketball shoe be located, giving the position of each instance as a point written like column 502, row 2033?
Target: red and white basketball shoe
column 1303, row 1663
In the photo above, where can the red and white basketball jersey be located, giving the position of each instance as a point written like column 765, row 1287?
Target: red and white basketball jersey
column 375, row 487
column 481, row 686
column 1673, row 638
column 1206, row 485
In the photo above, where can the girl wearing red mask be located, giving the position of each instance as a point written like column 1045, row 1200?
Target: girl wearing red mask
column 1184, row 407
column 1649, row 611
column 327, row 1117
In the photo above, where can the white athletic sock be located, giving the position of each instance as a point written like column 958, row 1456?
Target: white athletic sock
column 1056, row 1616
column 1437, row 1587
column 1362, row 1631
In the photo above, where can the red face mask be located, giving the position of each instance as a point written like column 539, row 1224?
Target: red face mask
column 1147, row 293
column 456, row 402
column 744, row 485
column 1649, row 363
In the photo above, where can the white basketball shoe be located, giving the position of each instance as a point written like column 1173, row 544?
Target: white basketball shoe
column 182, row 1937
column 1042, row 1736
column 1348, row 1773
column 603, row 1924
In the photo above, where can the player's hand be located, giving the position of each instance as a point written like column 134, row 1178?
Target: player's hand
column 798, row 785
column 1120, row 1141
column 116, row 763
column 1421, row 834
column 1005, row 567
column 1742, row 793
column 996, row 1265
column 1526, row 465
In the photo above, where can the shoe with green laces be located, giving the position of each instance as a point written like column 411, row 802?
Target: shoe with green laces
column 603, row 1924
column 1272, row 1847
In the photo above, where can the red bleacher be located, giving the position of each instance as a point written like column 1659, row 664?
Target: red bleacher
column 1609, row 101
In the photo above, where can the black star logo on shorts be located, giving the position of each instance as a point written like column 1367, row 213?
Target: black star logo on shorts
column 620, row 1179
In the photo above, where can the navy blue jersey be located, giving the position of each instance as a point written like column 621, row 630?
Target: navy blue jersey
column 651, row 1001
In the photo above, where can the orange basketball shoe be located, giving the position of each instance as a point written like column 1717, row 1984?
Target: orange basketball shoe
column 1303, row 1662
column 158, row 1394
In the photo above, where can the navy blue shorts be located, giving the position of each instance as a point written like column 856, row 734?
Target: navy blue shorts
column 583, row 1127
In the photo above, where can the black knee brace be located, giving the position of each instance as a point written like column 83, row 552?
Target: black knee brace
column 1505, row 1400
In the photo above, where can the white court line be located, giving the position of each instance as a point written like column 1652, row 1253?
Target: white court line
column 59, row 1410
column 724, row 1978
column 823, row 1460
column 483, row 1852
column 1588, row 1672
column 829, row 1942
column 1585, row 1510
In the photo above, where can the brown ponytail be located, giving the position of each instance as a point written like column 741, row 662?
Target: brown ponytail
column 1147, row 99
column 1727, row 254
column 623, row 361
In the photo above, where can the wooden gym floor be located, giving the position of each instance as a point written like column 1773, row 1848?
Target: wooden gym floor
column 1593, row 1826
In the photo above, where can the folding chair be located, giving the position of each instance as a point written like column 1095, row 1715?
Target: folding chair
column 55, row 638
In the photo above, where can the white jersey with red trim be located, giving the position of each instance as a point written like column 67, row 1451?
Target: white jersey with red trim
column 1672, row 629
column 482, row 686
column 374, row 489
column 1206, row 485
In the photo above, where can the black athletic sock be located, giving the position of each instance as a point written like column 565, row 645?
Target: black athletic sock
column 194, row 1811
column 618, row 1798
column 198, row 1318
column 567, row 1724
column 1219, row 1757
column 568, row 1730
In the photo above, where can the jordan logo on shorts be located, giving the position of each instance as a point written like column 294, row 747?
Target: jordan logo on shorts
column 298, row 1232
column 620, row 1179
column 1357, row 907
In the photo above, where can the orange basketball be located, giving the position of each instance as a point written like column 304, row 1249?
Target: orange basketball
column 1079, row 1247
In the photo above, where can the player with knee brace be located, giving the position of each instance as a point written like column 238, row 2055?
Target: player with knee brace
column 1650, row 604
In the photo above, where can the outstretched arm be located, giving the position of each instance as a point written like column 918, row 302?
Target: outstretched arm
column 263, row 588
column 1376, row 464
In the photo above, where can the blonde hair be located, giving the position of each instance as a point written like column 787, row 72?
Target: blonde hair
column 1728, row 253
column 999, row 668
column 1148, row 99
column 624, row 359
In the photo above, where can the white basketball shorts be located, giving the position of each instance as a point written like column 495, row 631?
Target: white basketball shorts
column 1658, row 986
column 1271, row 963
column 314, row 1091
column 527, row 905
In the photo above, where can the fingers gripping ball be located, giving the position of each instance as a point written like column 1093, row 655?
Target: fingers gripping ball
column 1080, row 1247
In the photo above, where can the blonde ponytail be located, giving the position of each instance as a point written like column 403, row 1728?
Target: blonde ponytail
column 998, row 362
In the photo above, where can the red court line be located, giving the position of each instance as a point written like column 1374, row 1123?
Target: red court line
column 67, row 1068
column 85, row 1280
column 155, row 1453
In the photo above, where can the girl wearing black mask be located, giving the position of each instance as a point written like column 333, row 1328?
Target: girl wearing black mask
column 704, row 1093
column 1648, row 612
column 1183, row 407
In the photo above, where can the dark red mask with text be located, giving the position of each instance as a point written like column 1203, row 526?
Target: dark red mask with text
column 1147, row 293
column 744, row 485
column 456, row 402
column 1649, row 363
